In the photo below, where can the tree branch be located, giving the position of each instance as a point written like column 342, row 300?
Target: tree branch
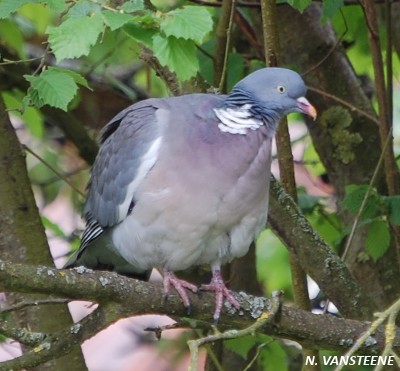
column 165, row 74
column 315, row 256
column 285, row 162
column 336, row 76
column 391, row 170
column 122, row 297
column 62, row 342
column 222, row 43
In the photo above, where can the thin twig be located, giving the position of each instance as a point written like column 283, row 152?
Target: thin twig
column 339, row 40
column 365, row 199
column 25, row 304
column 8, row 62
column 391, row 313
column 266, row 317
column 285, row 162
column 227, row 47
column 61, row 176
column 385, row 124
column 345, row 103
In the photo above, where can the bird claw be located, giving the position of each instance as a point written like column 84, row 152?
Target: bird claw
column 221, row 291
column 180, row 287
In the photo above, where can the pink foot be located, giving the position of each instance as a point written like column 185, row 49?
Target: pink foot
column 180, row 286
column 217, row 284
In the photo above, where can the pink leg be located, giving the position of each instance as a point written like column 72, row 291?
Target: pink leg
column 217, row 284
column 179, row 285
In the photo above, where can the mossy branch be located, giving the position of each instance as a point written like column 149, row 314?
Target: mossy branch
column 120, row 297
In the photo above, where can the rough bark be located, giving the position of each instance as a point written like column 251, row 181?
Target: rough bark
column 22, row 236
column 122, row 297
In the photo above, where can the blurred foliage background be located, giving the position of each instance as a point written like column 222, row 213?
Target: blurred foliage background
column 68, row 66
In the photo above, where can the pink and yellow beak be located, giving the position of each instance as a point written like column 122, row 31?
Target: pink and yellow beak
column 306, row 107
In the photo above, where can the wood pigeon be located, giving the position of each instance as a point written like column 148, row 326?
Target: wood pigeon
column 184, row 181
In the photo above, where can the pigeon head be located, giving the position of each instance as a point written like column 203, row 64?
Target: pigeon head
column 272, row 93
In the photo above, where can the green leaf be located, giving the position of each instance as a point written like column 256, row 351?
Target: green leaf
column 241, row 345
column 78, row 78
column 178, row 54
column 312, row 160
column 132, row 6
column 377, row 239
column 331, row 7
column 74, row 37
column 56, row 5
column 52, row 87
column 272, row 264
column 115, row 20
column 300, row 5
column 273, row 357
column 307, row 202
column 8, row 7
column 84, row 8
column 189, row 22
column 32, row 98
column 12, row 36
column 394, row 209
column 30, row 116
column 51, row 226
column 139, row 33
column 354, row 195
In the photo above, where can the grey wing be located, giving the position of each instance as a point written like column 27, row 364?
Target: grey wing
column 129, row 149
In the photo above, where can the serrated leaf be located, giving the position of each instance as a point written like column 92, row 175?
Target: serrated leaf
column 74, row 37
column 52, row 87
column 132, row 6
column 354, row 195
column 377, row 239
column 8, row 7
column 189, row 22
column 78, row 78
column 141, row 34
column 331, row 7
column 83, row 8
column 115, row 20
column 32, row 98
column 179, row 55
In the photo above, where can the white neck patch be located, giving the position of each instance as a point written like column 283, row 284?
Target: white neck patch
column 237, row 121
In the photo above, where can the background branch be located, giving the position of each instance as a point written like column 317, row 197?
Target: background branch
column 285, row 162
column 22, row 236
column 315, row 256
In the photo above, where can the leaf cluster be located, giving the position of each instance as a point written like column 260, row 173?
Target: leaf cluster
column 171, row 34
column 378, row 214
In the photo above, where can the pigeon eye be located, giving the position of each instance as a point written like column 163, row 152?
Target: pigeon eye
column 281, row 89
